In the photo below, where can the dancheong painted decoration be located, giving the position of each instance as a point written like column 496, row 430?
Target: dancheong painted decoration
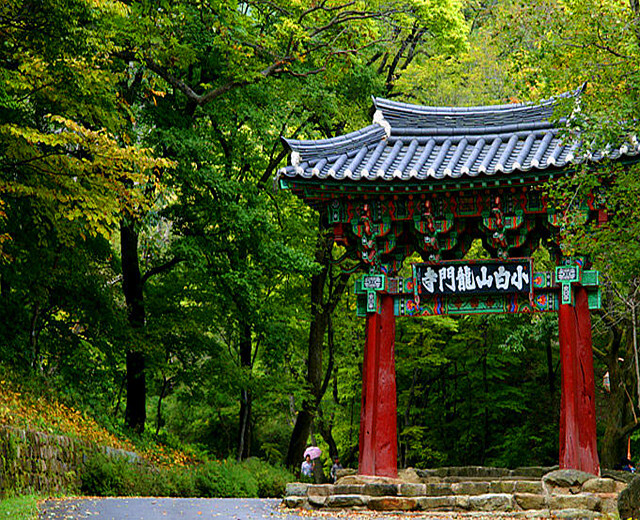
column 432, row 180
column 523, row 290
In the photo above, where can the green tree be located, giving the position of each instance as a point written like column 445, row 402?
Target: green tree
column 558, row 46
column 239, row 75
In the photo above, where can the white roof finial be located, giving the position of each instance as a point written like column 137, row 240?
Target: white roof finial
column 378, row 118
column 296, row 158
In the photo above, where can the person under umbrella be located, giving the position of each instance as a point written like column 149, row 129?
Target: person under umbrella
column 314, row 453
column 307, row 467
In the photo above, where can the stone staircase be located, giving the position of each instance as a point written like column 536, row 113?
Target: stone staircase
column 528, row 492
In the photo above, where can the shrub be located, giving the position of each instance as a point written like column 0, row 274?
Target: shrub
column 271, row 480
column 180, row 482
column 225, row 479
column 105, row 475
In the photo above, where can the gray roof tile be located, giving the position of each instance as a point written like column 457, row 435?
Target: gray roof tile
column 444, row 142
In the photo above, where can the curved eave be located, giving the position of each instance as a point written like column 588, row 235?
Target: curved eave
column 308, row 150
column 503, row 169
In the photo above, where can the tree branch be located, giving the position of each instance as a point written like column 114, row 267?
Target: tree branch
column 161, row 268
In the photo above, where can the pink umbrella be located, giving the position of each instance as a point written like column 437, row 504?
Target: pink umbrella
column 313, row 451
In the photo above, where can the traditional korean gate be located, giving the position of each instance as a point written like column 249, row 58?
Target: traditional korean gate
column 432, row 180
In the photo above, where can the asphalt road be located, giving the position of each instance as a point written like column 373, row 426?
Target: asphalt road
column 163, row 509
column 221, row 508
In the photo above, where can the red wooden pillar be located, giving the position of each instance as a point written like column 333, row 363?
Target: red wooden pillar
column 578, row 448
column 378, row 435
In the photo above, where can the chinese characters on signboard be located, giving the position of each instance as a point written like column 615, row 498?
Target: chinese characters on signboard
column 569, row 273
column 373, row 282
column 509, row 276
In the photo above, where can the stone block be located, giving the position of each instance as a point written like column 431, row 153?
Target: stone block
column 620, row 476
column 532, row 471
column 621, row 486
column 528, row 486
column 461, row 502
column 574, row 514
column 349, row 489
column 380, row 490
column 491, row 502
column 530, row 500
column 296, row 489
column 412, row 490
column 295, row 501
column 501, row 486
column 317, row 500
column 437, row 503
column 533, row 514
column 345, row 472
column 425, row 474
column 599, row 485
column 474, row 472
column 608, row 503
column 470, row 488
column 435, row 472
column 359, row 480
column 629, row 500
column 392, row 503
column 433, row 489
column 346, row 501
column 320, row 490
column 409, row 475
column 580, row 501
column 567, row 478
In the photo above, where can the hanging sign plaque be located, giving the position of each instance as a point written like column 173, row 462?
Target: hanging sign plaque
column 473, row 277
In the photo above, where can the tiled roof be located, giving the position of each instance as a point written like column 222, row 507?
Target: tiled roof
column 412, row 142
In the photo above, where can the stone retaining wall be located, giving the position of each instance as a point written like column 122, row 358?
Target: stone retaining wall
column 32, row 461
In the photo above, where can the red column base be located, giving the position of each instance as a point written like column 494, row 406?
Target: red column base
column 378, row 420
column 578, row 449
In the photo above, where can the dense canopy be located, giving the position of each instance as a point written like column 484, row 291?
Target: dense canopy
column 151, row 275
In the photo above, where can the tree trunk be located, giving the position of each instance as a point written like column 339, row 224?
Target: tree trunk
column 33, row 337
column 550, row 372
column 299, row 436
column 244, row 426
column 320, row 312
column 135, row 412
column 305, row 417
column 326, row 430
column 613, row 444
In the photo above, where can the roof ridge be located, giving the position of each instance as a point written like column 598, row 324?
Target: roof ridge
column 400, row 114
column 413, row 107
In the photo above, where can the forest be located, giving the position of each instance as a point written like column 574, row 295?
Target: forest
column 153, row 275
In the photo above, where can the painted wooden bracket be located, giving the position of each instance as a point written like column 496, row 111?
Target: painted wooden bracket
column 369, row 285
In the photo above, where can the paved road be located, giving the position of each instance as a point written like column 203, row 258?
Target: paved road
column 162, row 509
column 219, row 508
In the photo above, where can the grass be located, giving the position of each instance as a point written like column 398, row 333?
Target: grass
column 19, row 508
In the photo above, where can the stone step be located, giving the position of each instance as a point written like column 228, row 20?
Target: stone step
column 486, row 472
column 560, row 493
column 428, row 489
column 489, row 502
